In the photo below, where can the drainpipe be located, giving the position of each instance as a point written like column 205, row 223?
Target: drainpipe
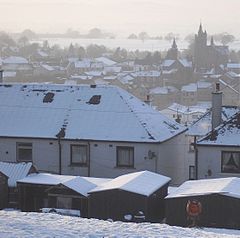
column 1, row 75
column 196, row 157
column 61, row 134
column 89, row 172
column 59, row 155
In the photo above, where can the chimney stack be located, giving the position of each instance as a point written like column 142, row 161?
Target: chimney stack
column 1, row 75
column 148, row 100
column 216, row 107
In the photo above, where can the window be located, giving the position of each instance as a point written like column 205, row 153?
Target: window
column 192, row 172
column 125, row 156
column 230, row 162
column 79, row 155
column 24, row 152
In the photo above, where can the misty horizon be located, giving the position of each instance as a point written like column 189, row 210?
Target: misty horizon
column 120, row 18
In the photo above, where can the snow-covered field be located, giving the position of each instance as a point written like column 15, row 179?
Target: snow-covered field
column 23, row 224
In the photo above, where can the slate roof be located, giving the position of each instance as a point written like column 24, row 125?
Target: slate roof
column 227, row 134
column 202, row 126
column 105, row 113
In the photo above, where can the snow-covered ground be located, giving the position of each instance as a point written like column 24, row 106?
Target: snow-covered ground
column 45, row 225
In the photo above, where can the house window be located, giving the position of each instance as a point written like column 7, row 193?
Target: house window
column 79, row 155
column 230, row 162
column 125, row 156
column 192, row 175
column 24, row 152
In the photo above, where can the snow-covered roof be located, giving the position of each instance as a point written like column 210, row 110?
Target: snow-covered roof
column 163, row 90
column 94, row 73
column 202, row 126
column 185, row 63
column 15, row 60
column 167, row 63
column 105, row 61
column 187, row 109
column 150, row 73
column 233, row 66
column 143, row 182
column 42, row 53
column 192, row 87
column 106, row 113
column 15, row 171
column 48, row 67
column 226, row 186
column 9, row 74
column 203, row 85
column 83, row 185
column 45, row 179
column 228, row 133
column 86, row 63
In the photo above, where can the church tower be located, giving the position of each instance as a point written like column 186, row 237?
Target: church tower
column 173, row 51
column 200, row 48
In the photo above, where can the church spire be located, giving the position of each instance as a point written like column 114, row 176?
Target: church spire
column 200, row 30
column 174, row 45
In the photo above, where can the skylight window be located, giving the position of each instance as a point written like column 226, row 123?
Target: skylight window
column 48, row 98
column 94, row 100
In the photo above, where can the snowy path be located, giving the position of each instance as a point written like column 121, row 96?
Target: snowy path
column 20, row 224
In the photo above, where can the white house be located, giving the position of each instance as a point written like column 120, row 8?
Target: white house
column 99, row 131
column 218, row 152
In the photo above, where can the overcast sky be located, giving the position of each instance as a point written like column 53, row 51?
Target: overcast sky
column 157, row 17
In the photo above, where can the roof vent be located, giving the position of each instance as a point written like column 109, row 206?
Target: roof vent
column 95, row 99
column 48, row 97
column 93, row 86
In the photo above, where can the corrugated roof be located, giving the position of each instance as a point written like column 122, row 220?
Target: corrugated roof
column 143, row 182
column 118, row 117
column 15, row 171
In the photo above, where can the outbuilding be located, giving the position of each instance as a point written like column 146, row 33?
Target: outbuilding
column 10, row 173
column 33, row 190
column 3, row 190
column 73, row 194
column 219, row 200
column 133, row 197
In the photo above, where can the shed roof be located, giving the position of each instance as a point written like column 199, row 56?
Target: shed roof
column 15, row 171
column 226, row 186
column 45, row 179
column 42, row 110
column 83, row 185
column 143, row 182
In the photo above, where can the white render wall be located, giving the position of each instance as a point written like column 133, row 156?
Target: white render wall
column 209, row 158
column 170, row 157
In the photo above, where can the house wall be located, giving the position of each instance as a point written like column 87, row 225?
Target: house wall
column 103, row 157
column 172, row 160
column 209, row 161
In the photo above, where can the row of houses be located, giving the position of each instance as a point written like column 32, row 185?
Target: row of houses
column 138, row 197
column 103, row 131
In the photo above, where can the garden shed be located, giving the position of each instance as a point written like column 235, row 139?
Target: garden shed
column 32, row 190
column 14, row 172
column 219, row 198
column 73, row 194
column 3, row 190
column 133, row 196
